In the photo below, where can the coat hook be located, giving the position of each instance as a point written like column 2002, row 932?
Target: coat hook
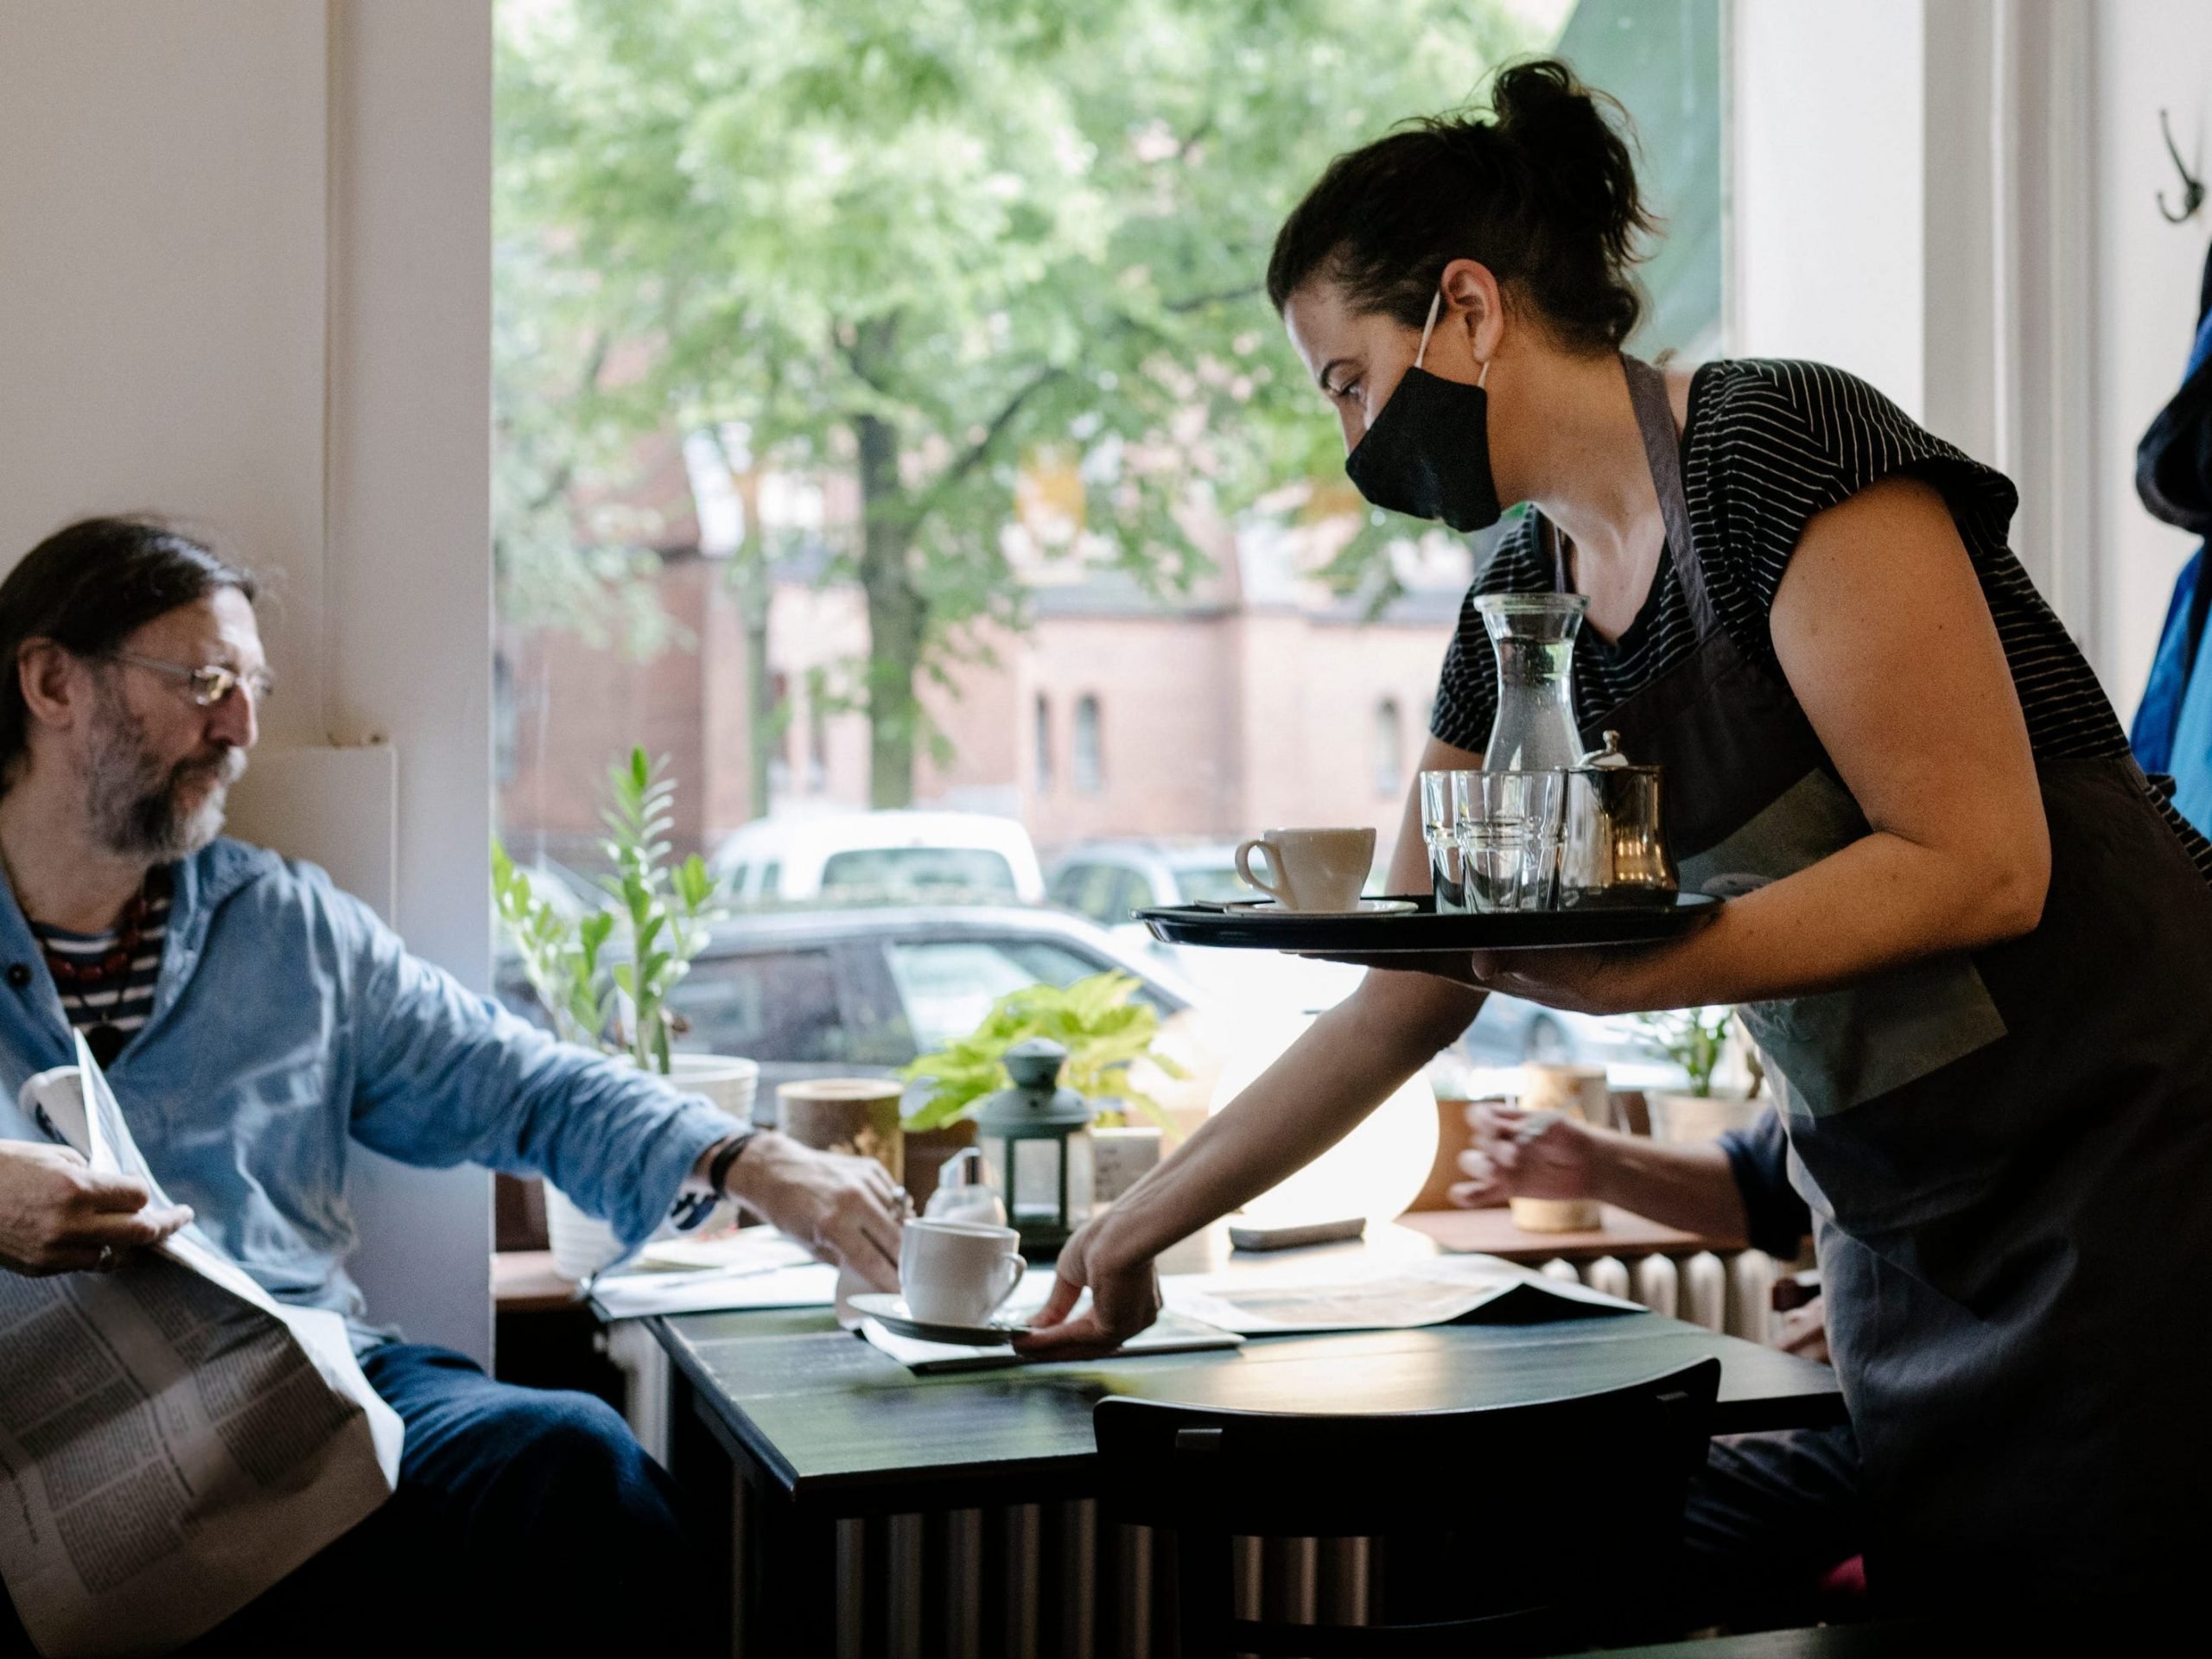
column 2192, row 187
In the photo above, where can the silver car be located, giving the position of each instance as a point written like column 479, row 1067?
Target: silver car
column 1107, row 880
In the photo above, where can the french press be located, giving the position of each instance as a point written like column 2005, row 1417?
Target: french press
column 1615, row 849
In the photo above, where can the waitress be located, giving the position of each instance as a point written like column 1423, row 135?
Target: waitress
column 1974, row 945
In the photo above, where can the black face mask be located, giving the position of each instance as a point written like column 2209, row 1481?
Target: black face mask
column 1427, row 454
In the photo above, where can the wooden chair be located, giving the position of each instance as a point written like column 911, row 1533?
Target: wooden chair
column 1521, row 1529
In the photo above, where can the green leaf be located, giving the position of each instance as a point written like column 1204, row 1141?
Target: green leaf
column 981, row 242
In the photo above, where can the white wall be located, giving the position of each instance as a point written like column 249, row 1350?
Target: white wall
column 244, row 273
column 2150, row 54
column 1957, row 199
column 1827, row 188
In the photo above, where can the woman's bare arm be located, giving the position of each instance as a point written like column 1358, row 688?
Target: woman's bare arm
column 1884, row 634
column 1349, row 1062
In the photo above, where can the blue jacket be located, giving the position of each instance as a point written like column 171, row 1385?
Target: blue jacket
column 2173, row 734
column 288, row 1023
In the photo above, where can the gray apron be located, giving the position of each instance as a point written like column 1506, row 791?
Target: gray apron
column 2008, row 1153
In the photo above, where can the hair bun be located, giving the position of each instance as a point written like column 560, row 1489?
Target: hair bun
column 1542, row 191
column 1573, row 155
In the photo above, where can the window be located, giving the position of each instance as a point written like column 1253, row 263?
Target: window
column 949, row 985
column 1088, row 766
column 920, row 872
column 1156, row 517
column 770, row 1005
column 1044, row 744
column 1211, row 885
column 1067, row 885
column 1389, row 770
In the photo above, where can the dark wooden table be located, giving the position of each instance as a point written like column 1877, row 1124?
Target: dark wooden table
column 823, row 1430
column 1619, row 1232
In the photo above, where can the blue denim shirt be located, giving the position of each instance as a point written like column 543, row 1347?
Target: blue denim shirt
column 288, row 1023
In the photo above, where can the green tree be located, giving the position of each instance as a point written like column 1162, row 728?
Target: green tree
column 925, row 243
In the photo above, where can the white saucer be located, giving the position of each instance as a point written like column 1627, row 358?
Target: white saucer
column 891, row 1313
column 1270, row 910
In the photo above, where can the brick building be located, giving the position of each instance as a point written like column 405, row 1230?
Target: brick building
column 1260, row 698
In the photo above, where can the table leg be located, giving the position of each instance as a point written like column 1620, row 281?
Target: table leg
column 798, row 1612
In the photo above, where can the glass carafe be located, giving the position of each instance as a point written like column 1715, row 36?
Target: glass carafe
column 1534, row 636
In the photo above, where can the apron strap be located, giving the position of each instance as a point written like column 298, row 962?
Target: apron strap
column 1654, row 419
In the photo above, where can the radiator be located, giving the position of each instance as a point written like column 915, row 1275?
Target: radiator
column 1050, row 1582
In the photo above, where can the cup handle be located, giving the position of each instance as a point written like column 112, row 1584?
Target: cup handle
column 1019, row 1269
column 1245, row 868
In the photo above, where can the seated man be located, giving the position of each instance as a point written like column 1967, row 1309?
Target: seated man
column 1772, row 1514
column 256, row 1021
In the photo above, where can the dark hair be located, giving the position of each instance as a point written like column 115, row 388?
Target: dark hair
column 90, row 587
column 1543, row 193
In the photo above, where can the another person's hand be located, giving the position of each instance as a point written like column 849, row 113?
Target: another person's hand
column 57, row 1215
column 846, row 1210
column 1124, row 1300
column 1519, row 1154
column 1804, row 1332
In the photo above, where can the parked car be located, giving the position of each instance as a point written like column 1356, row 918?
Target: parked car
column 1106, row 880
column 895, row 856
column 861, row 992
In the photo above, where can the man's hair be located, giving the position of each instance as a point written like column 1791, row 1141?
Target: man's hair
column 91, row 586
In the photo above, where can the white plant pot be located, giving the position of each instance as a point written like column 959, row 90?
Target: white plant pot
column 727, row 1081
column 1684, row 1120
column 582, row 1243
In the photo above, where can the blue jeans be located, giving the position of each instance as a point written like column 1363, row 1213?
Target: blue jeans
column 1767, row 1516
column 522, row 1514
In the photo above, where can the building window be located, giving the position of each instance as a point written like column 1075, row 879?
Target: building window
column 818, row 744
column 1044, row 744
column 1389, row 766
column 1088, row 768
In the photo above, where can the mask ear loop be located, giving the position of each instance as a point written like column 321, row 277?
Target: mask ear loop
column 1429, row 327
column 1435, row 305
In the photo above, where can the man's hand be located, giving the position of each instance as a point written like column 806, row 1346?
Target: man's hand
column 57, row 1215
column 1519, row 1154
column 1804, row 1332
column 846, row 1210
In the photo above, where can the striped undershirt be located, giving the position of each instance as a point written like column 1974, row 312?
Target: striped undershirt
column 1767, row 445
column 121, row 1006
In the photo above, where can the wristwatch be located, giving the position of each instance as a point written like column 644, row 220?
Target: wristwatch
column 695, row 1207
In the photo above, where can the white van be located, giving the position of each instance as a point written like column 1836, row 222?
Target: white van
column 896, row 856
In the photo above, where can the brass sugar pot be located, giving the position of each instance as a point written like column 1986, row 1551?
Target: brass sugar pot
column 1614, row 849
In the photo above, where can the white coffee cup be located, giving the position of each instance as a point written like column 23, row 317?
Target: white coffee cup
column 957, row 1272
column 1314, row 869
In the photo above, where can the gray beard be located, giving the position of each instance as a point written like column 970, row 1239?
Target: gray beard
column 135, row 804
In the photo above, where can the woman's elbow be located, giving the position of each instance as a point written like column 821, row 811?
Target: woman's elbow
column 2015, row 885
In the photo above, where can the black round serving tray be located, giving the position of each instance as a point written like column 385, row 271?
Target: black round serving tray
column 1237, row 929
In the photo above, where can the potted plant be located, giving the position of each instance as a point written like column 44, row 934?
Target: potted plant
column 1107, row 1029
column 1703, row 1042
column 604, row 977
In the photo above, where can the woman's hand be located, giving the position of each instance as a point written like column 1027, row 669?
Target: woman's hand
column 1625, row 979
column 1124, row 1300
column 59, row 1215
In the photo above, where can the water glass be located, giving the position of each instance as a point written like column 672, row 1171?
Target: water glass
column 1439, row 829
column 1510, row 826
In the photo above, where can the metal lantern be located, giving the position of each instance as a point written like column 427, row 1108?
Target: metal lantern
column 1036, row 1136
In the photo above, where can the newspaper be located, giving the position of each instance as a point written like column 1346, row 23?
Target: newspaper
column 1352, row 1293
column 172, row 1441
column 1171, row 1333
column 749, row 1267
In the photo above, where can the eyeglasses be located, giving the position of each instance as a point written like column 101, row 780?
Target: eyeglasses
column 207, row 686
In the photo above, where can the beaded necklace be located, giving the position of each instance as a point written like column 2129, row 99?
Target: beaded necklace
column 82, row 976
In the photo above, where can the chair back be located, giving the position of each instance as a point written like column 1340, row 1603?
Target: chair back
column 1481, row 1520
